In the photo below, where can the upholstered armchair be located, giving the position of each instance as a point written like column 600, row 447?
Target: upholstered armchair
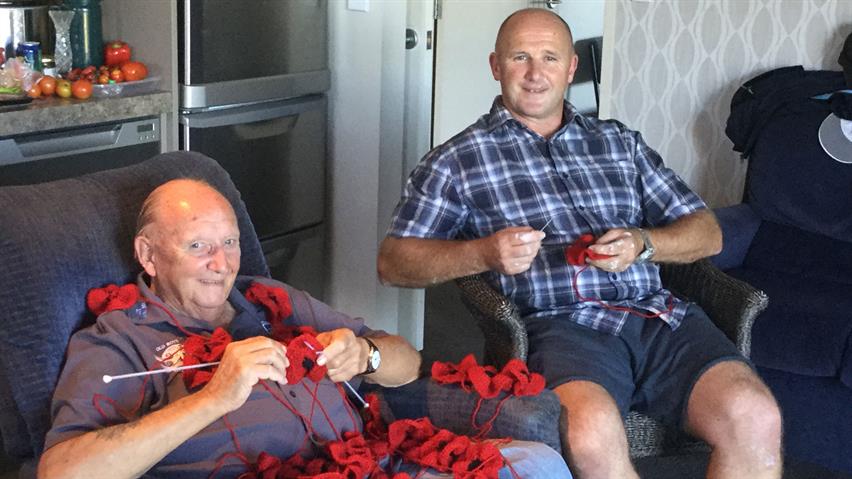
column 731, row 303
column 62, row 238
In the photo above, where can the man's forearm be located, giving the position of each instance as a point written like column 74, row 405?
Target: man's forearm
column 688, row 239
column 417, row 263
column 128, row 450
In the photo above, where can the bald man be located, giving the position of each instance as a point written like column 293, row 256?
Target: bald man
column 188, row 244
column 509, row 193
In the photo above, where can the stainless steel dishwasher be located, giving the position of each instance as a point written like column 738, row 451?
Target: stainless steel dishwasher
column 56, row 154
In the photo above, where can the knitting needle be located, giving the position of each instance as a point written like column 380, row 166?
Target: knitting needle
column 364, row 403
column 545, row 225
column 108, row 379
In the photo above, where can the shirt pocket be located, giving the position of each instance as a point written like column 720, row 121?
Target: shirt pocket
column 606, row 189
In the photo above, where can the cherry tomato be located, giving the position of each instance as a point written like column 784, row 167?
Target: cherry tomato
column 88, row 70
column 34, row 91
column 134, row 71
column 103, row 79
column 48, row 85
column 81, row 89
column 117, row 75
column 63, row 88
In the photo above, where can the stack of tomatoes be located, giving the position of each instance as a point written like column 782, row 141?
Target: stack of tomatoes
column 118, row 67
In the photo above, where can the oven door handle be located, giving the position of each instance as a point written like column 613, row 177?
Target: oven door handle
column 258, row 112
column 79, row 140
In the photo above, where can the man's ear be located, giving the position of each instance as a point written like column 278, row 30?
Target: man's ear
column 144, row 249
column 495, row 65
column 572, row 68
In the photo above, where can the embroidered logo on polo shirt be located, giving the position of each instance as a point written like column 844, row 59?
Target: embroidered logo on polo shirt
column 170, row 354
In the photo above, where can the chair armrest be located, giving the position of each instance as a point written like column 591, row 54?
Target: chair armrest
column 731, row 304
column 739, row 224
column 529, row 418
column 499, row 320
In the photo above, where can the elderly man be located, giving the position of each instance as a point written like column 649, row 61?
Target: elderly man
column 604, row 332
column 188, row 244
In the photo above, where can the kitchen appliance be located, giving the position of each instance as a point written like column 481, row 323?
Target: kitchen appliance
column 26, row 21
column 39, row 157
column 252, row 81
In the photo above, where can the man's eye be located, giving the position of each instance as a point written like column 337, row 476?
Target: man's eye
column 195, row 245
column 520, row 58
column 231, row 242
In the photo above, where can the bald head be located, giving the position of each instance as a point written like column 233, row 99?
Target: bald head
column 546, row 19
column 175, row 200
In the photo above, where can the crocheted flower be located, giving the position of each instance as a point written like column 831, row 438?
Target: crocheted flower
column 198, row 350
column 273, row 298
column 524, row 383
column 111, row 297
column 303, row 359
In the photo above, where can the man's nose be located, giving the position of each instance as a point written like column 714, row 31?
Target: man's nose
column 218, row 260
column 533, row 69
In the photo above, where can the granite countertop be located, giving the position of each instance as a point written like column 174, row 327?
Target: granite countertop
column 46, row 114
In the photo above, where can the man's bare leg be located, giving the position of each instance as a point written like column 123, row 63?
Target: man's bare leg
column 735, row 413
column 593, row 439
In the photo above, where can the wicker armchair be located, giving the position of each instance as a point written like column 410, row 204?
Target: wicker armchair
column 732, row 304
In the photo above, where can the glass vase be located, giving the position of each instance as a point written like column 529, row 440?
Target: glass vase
column 62, row 55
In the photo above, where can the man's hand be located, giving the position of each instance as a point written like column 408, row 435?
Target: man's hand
column 621, row 245
column 243, row 365
column 512, row 250
column 344, row 354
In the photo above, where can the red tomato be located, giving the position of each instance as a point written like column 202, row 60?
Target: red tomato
column 48, row 85
column 81, row 89
column 34, row 91
column 134, row 71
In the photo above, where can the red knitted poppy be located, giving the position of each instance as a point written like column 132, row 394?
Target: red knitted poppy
column 273, row 298
column 111, row 297
column 199, row 349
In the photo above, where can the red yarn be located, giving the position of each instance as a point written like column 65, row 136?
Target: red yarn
column 111, row 297
column 199, row 349
column 577, row 255
column 488, row 383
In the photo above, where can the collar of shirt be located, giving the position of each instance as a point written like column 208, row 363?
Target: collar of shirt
column 500, row 115
column 248, row 318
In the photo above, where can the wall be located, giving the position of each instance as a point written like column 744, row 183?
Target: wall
column 676, row 64
column 365, row 152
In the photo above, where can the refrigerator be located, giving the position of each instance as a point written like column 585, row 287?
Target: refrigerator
column 253, row 77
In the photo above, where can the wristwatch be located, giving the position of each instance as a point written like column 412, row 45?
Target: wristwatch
column 649, row 250
column 374, row 357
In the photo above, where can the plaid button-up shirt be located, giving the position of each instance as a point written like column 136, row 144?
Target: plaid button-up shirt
column 589, row 177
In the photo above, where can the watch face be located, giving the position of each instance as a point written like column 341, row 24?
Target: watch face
column 375, row 359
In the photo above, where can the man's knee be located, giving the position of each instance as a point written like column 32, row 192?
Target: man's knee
column 743, row 412
column 592, row 418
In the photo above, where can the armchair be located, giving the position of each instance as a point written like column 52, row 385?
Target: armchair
column 732, row 304
column 62, row 238
column 59, row 240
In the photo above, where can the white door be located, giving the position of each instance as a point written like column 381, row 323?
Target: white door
column 464, row 87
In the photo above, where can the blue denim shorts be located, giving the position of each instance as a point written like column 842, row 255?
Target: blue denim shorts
column 648, row 367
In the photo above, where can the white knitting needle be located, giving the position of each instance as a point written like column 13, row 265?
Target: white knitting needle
column 545, row 225
column 108, row 379
column 364, row 403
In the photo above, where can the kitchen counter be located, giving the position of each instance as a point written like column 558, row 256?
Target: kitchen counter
column 45, row 114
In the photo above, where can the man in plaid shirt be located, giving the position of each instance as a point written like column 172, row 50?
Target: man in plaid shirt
column 508, row 194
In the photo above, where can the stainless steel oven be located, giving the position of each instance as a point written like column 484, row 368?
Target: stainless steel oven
column 252, row 78
column 275, row 153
